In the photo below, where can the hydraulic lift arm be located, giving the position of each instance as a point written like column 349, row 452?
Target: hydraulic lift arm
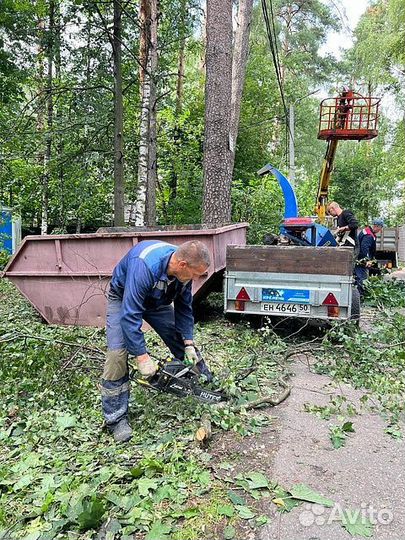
column 324, row 181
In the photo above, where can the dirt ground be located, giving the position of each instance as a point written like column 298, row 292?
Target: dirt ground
column 367, row 474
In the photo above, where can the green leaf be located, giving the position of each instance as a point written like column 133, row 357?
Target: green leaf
column 134, row 514
column 159, row 531
column 337, row 441
column 113, row 526
column 191, row 512
column 261, row 520
column 356, row 524
column 165, row 492
column 257, row 480
column 337, row 436
column 92, row 514
column 348, row 427
column 145, row 485
column 244, row 512
column 235, row 498
column 65, row 421
column 204, row 478
column 284, row 501
column 394, row 431
column 305, row 493
column 57, row 527
column 23, row 482
column 226, row 510
column 137, row 471
column 229, row 532
column 48, row 500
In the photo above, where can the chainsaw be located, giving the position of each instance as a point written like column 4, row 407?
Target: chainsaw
column 176, row 377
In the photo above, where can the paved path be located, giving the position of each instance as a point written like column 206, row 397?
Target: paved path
column 367, row 474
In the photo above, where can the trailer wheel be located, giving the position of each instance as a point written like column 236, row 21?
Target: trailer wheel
column 355, row 314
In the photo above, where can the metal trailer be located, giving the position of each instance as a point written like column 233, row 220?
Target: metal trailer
column 388, row 246
column 291, row 281
column 65, row 277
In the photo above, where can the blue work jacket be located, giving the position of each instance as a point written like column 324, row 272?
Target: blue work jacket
column 367, row 244
column 140, row 279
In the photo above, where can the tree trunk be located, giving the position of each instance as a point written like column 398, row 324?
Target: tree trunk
column 143, row 159
column 144, row 38
column 45, row 46
column 137, row 215
column 150, row 212
column 239, row 60
column 48, row 138
column 173, row 180
column 180, row 61
column 58, row 119
column 145, row 206
column 118, row 119
column 217, row 175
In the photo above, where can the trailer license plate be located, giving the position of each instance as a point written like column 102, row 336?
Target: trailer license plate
column 286, row 309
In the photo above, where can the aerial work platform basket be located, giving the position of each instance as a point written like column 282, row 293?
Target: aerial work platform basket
column 349, row 116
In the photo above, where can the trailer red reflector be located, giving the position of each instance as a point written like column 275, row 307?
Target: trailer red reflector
column 330, row 300
column 239, row 305
column 243, row 295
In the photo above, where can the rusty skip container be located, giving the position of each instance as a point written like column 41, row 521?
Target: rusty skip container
column 66, row 277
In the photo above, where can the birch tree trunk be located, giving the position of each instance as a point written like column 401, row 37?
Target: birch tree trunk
column 119, row 187
column 218, row 83
column 143, row 159
column 137, row 216
column 145, row 205
column 239, row 61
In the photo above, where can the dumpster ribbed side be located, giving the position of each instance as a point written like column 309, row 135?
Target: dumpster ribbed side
column 66, row 277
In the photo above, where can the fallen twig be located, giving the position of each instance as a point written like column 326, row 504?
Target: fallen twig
column 72, row 357
column 40, row 338
column 204, row 432
column 269, row 400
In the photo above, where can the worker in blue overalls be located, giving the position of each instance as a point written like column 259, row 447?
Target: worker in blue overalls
column 151, row 283
column 367, row 250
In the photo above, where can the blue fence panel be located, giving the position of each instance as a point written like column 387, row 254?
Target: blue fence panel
column 6, row 231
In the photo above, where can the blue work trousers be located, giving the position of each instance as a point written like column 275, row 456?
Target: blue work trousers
column 115, row 379
column 361, row 273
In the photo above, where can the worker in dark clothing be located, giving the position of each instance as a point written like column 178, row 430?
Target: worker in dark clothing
column 144, row 284
column 367, row 249
column 343, row 108
column 347, row 225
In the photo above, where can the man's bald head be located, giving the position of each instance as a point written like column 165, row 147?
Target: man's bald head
column 190, row 261
column 195, row 253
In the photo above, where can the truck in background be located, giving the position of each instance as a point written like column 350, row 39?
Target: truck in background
column 389, row 244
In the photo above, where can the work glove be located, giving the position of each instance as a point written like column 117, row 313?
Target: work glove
column 190, row 355
column 146, row 366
